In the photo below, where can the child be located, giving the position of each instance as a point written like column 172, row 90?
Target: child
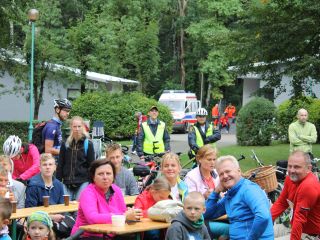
column 39, row 227
column 189, row 224
column 5, row 213
column 159, row 190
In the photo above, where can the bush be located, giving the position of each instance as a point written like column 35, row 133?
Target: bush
column 287, row 113
column 117, row 110
column 255, row 123
column 13, row 128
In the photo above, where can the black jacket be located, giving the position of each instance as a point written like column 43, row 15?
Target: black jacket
column 73, row 164
column 192, row 138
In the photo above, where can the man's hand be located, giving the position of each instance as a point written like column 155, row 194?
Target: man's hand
column 219, row 189
column 57, row 217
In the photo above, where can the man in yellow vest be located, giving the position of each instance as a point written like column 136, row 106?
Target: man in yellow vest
column 202, row 132
column 154, row 137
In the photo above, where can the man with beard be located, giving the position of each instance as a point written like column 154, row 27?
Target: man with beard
column 301, row 193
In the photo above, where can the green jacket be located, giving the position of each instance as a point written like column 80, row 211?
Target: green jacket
column 301, row 136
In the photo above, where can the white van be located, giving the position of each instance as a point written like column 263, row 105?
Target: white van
column 183, row 108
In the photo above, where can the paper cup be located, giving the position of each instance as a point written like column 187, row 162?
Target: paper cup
column 118, row 220
column 66, row 199
column 45, row 201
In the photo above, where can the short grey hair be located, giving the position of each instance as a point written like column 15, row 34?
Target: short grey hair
column 299, row 153
column 301, row 110
column 230, row 158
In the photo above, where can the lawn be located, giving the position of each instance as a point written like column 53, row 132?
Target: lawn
column 267, row 154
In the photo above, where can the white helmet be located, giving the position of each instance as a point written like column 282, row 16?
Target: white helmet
column 12, row 146
column 201, row 112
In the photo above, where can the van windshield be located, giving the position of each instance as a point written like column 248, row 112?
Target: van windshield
column 177, row 106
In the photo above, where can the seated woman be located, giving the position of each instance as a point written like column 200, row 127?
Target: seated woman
column 170, row 169
column 25, row 157
column 101, row 199
column 204, row 179
column 159, row 190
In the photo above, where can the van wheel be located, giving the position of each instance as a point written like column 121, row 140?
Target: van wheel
column 185, row 128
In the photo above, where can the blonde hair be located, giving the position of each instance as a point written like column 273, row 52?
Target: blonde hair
column 195, row 196
column 45, row 157
column 112, row 148
column 205, row 151
column 6, row 159
column 170, row 156
column 84, row 132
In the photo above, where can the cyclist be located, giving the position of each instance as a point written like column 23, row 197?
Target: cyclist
column 51, row 133
column 154, row 137
column 302, row 133
column 202, row 132
column 25, row 157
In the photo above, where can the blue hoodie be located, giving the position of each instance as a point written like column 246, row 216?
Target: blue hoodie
column 36, row 190
column 248, row 210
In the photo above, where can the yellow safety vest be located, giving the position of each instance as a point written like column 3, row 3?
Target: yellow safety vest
column 199, row 140
column 151, row 141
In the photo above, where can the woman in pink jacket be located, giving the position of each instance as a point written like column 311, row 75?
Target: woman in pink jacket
column 25, row 157
column 101, row 199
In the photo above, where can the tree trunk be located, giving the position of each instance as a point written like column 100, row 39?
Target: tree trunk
column 182, row 13
column 208, row 95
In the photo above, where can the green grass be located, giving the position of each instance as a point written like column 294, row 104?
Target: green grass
column 267, row 154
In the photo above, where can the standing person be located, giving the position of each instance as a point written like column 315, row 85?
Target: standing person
column 215, row 114
column 76, row 155
column 231, row 112
column 51, row 133
column 170, row 169
column 140, row 119
column 25, row 157
column 189, row 223
column 101, row 199
column 202, row 132
column 124, row 178
column 301, row 193
column 245, row 203
column 153, row 137
column 302, row 133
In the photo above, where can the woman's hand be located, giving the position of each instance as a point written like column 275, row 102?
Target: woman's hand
column 133, row 214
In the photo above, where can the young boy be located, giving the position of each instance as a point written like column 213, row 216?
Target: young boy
column 45, row 184
column 5, row 213
column 189, row 223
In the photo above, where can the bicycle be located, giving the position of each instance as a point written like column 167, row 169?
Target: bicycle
column 315, row 168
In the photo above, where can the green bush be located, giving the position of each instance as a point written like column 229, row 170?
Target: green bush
column 117, row 110
column 287, row 113
column 13, row 128
column 255, row 123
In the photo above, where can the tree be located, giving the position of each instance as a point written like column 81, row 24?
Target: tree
column 283, row 37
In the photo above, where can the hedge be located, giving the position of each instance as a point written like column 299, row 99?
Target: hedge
column 117, row 111
column 255, row 123
column 287, row 113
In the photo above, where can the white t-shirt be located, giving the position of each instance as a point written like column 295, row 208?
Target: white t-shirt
column 175, row 192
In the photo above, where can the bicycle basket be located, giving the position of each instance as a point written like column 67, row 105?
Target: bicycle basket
column 141, row 170
column 265, row 177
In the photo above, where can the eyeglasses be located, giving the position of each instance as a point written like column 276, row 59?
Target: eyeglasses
column 201, row 116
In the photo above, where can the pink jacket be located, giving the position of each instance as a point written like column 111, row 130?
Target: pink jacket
column 94, row 208
column 28, row 165
column 195, row 182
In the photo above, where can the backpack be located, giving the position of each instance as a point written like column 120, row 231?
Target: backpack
column 37, row 136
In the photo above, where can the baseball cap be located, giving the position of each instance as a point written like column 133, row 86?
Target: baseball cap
column 153, row 107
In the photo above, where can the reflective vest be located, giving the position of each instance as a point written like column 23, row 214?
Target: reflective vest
column 199, row 140
column 153, row 144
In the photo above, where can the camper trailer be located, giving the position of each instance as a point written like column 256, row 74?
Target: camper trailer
column 183, row 108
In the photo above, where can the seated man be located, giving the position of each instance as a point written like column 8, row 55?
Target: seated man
column 124, row 178
column 301, row 193
column 245, row 203
column 45, row 184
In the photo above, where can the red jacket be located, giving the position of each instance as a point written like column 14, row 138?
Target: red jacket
column 305, row 196
column 28, row 165
column 224, row 121
column 231, row 111
column 144, row 201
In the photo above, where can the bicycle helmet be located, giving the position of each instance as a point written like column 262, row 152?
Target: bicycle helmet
column 62, row 103
column 201, row 112
column 12, row 146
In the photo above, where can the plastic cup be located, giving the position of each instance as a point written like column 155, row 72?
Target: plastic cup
column 118, row 220
column 14, row 206
column 45, row 201
column 66, row 199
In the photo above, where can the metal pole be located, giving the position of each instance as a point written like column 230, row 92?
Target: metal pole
column 31, row 81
